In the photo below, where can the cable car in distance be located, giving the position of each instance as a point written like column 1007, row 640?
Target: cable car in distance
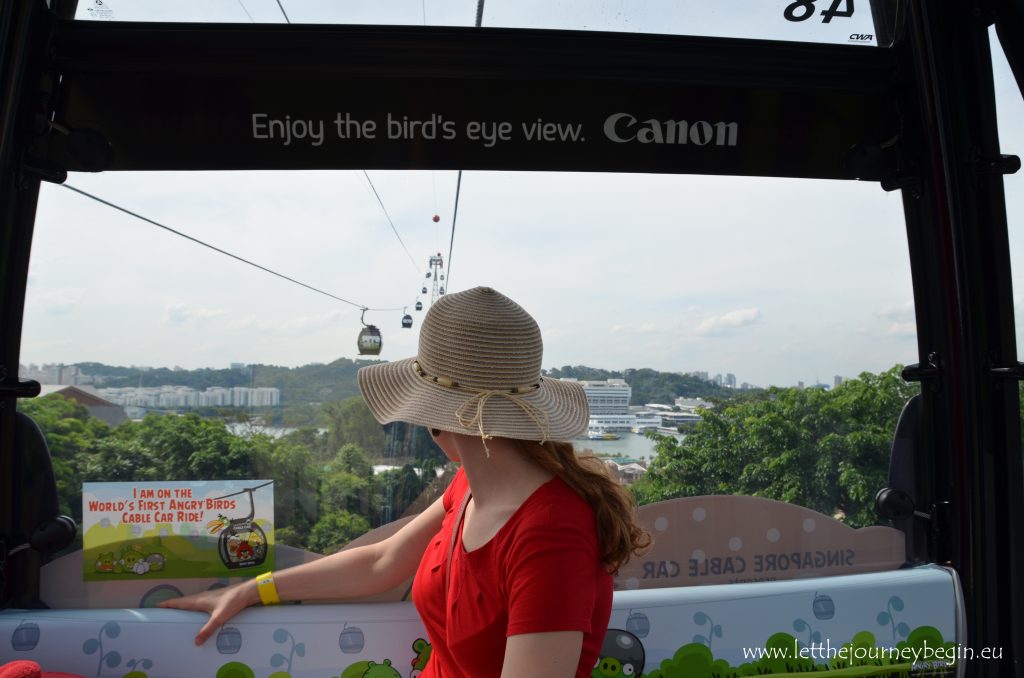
column 419, row 305
column 406, row 321
column 370, row 340
column 424, row 290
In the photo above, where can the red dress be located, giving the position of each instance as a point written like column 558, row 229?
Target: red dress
column 541, row 572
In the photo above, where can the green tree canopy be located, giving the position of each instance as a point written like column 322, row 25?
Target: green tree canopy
column 825, row 450
column 335, row 529
column 342, row 489
column 187, row 447
column 350, row 421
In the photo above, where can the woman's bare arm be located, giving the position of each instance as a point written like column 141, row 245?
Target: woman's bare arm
column 347, row 574
column 543, row 655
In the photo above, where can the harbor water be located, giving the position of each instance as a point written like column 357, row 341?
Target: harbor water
column 630, row 445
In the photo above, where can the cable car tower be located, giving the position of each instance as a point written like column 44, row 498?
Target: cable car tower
column 436, row 273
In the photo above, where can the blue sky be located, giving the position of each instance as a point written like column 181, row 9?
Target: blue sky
column 776, row 281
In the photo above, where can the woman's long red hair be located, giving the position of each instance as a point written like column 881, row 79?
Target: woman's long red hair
column 618, row 529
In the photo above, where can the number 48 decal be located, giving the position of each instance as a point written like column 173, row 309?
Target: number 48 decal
column 802, row 10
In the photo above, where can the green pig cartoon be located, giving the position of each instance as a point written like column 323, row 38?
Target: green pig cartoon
column 622, row 655
column 134, row 560
column 156, row 562
column 384, row 670
column 370, row 669
column 105, row 563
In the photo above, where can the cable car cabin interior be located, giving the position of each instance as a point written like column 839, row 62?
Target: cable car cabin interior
column 624, row 180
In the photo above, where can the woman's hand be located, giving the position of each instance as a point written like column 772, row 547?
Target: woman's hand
column 221, row 604
column 349, row 573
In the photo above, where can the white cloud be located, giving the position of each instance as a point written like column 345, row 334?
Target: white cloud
column 898, row 312
column 900, row 320
column 180, row 313
column 58, row 301
column 641, row 328
column 55, row 344
column 289, row 325
column 902, row 329
column 720, row 324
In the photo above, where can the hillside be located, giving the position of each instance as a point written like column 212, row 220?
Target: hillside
column 649, row 386
column 318, row 383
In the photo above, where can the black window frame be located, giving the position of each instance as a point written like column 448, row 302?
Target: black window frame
column 933, row 88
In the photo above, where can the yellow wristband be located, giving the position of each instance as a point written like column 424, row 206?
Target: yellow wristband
column 267, row 590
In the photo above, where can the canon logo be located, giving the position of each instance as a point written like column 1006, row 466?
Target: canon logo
column 623, row 128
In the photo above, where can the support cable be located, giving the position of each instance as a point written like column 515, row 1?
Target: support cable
column 224, row 252
column 392, row 223
column 242, row 5
column 455, row 216
column 286, row 13
column 458, row 184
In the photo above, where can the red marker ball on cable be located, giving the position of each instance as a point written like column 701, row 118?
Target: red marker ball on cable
column 436, row 218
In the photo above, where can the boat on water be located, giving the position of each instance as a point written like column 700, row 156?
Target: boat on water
column 601, row 434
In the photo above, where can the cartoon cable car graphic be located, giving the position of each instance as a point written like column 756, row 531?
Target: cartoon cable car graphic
column 242, row 542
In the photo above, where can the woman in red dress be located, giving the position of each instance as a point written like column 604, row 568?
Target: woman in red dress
column 513, row 565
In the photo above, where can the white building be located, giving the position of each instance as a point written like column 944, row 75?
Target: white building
column 691, row 404
column 610, row 397
column 183, row 397
column 265, row 397
column 54, row 374
column 672, row 420
column 216, row 396
column 626, row 472
column 609, row 405
column 240, row 396
column 646, row 420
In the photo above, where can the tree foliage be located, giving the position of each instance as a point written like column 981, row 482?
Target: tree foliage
column 350, row 421
column 335, row 529
column 825, row 450
column 651, row 386
column 325, row 489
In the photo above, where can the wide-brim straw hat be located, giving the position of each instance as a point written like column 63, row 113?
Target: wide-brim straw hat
column 478, row 372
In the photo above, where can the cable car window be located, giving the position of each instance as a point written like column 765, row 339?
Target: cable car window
column 776, row 308
column 1010, row 109
column 846, row 22
column 740, row 338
